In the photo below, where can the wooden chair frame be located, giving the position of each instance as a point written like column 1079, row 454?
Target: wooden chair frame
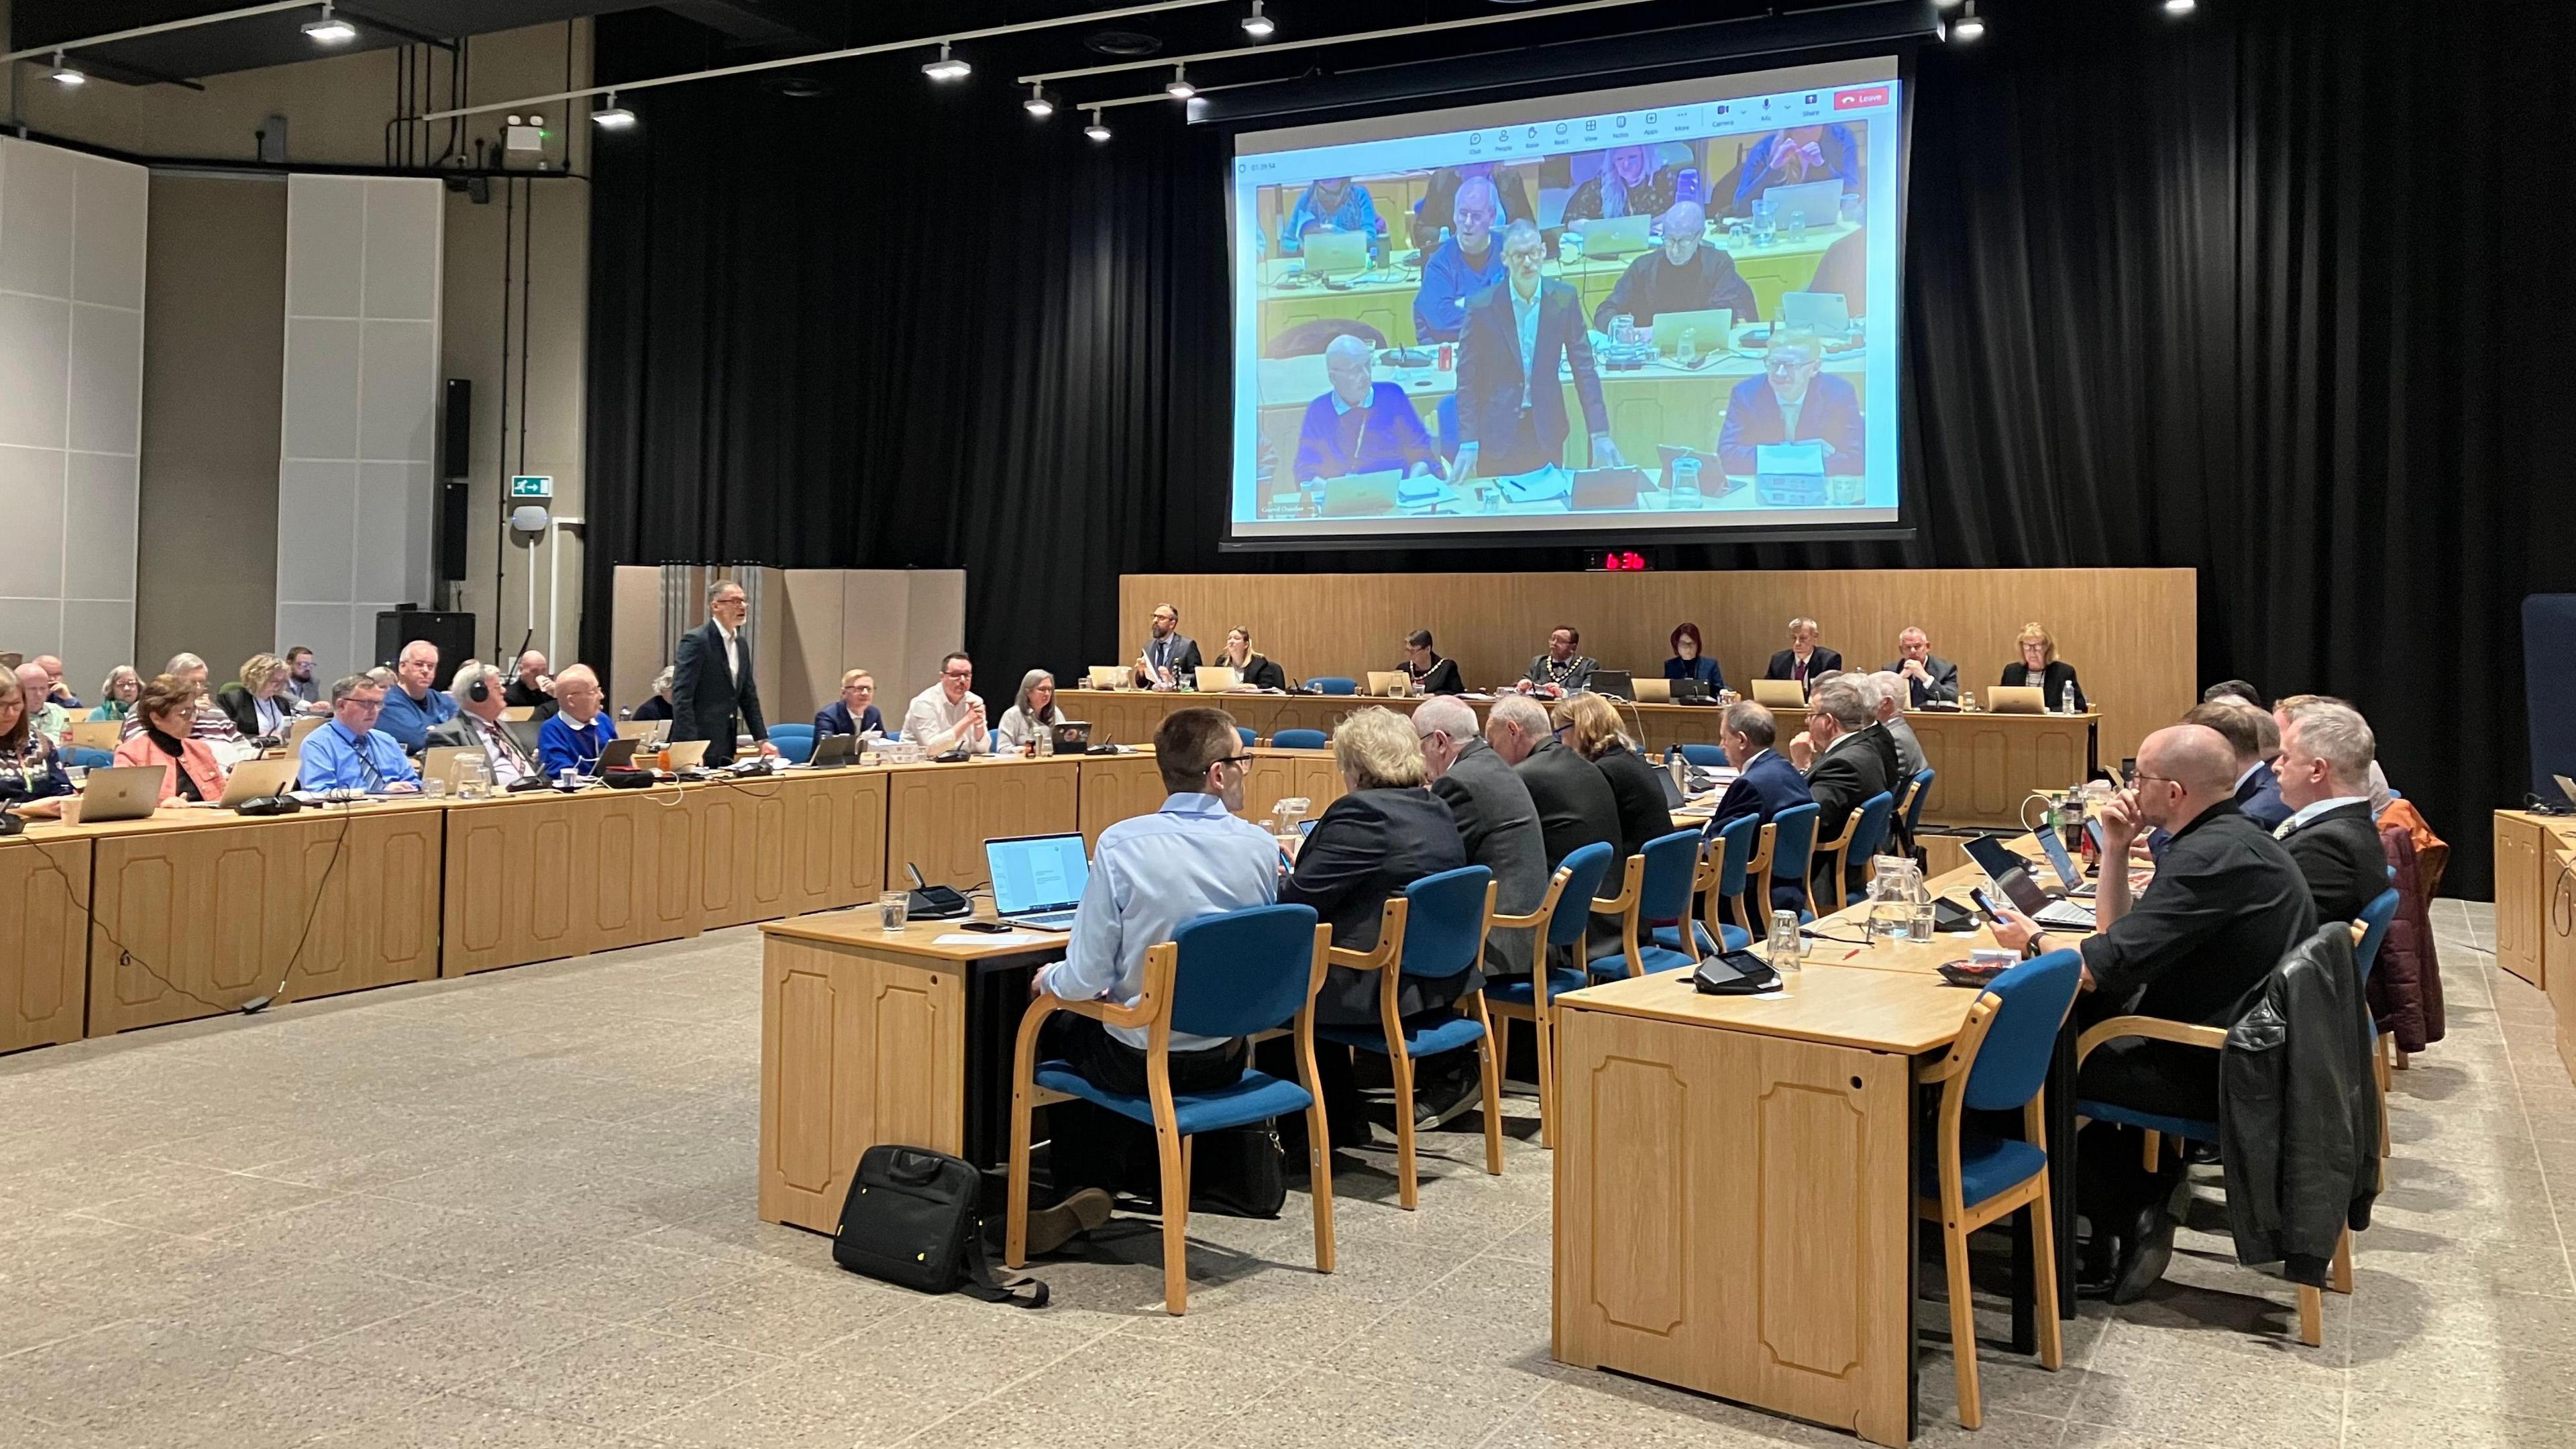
column 1541, row 1013
column 1757, row 885
column 1385, row 958
column 1837, row 848
column 2312, row 1304
column 1632, row 882
column 1949, row 1208
column 1153, row 1012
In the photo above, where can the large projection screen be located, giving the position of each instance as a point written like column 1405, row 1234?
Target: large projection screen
column 1662, row 311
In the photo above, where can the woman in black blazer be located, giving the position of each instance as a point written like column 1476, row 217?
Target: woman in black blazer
column 1386, row 833
column 1591, row 726
column 2040, row 665
column 1256, row 670
column 1431, row 674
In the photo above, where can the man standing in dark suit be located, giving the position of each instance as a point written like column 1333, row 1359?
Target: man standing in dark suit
column 1170, row 657
column 711, row 683
column 1511, row 405
column 1805, row 660
column 2325, row 780
column 1496, row 818
column 1851, row 764
column 1931, row 678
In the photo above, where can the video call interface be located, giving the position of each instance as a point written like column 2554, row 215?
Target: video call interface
column 1628, row 311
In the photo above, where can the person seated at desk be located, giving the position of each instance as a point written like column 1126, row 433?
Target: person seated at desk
column 659, row 705
column 1361, row 425
column 301, row 686
column 854, row 713
column 1149, row 875
column 1169, row 655
column 1929, row 678
column 116, row 697
column 1793, row 401
column 2253, row 739
column 1766, row 783
column 2325, row 780
column 348, row 752
column 32, row 781
column 1384, row 833
column 1691, row 661
column 56, row 690
column 1851, row 762
column 211, row 725
column 257, row 703
column 1575, row 806
column 1805, row 660
column 575, row 736
column 532, row 688
column 481, row 695
column 1519, row 339
column 1794, row 157
column 948, row 715
column 192, row 774
column 46, row 720
column 1591, row 728
column 2226, row 904
column 1684, row 275
column 1257, row 670
column 1560, row 669
column 1627, row 185
column 1887, row 707
column 2039, row 665
column 1497, row 821
column 1331, row 203
column 2232, row 689
column 1465, row 264
column 1033, row 713
column 412, row 705
column 1430, row 673
column 1844, row 271
column 1437, row 211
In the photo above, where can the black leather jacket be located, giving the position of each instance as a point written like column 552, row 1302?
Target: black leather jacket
column 2298, row 1121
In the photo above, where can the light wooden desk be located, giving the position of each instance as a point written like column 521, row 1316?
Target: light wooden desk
column 44, row 941
column 2535, row 911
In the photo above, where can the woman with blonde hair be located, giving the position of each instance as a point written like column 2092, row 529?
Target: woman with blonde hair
column 257, row 702
column 2039, row 665
column 1591, row 727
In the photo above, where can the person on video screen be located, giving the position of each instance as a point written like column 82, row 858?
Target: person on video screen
column 1793, row 157
column 1628, row 185
column 1360, row 425
column 1438, row 206
column 1511, row 406
column 1794, row 400
column 1333, row 203
column 1466, row 264
column 1686, row 275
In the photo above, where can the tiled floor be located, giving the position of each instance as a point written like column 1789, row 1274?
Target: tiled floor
column 518, row 1210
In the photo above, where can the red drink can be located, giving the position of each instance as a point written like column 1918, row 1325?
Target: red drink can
column 1448, row 357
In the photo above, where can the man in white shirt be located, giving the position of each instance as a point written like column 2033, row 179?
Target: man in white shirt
column 949, row 715
column 477, row 725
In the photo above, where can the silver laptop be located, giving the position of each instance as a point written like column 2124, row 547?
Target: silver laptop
column 1820, row 202
column 1827, row 314
column 1334, row 253
column 1614, row 236
column 1037, row 879
column 122, row 792
column 257, row 780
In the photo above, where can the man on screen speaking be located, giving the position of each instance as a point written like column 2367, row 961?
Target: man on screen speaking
column 1794, row 400
column 1360, row 425
column 1685, row 276
column 1511, row 407
column 1467, row 263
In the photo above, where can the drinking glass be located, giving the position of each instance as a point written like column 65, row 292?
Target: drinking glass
column 893, row 909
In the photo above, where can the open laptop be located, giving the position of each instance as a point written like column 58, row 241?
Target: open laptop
column 122, row 792
column 1615, row 236
column 442, row 762
column 1781, row 694
column 1654, row 691
column 1216, row 678
column 1037, row 879
column 686, row 755
column 1692, row 691
column 1334, row 253
column 1610, row 488
column 2011, row 875
column 1819, row 202
column 618, row 754
column 257, row 780
column 1389, row 683
column 296, row 732
column 1614, row 684
column 1826, row 314
column 833, row 751
column 1107, row 676
column 2566, row 787
column 1072, row 736
column 1712, row 327
column 2017, row 699
column 651, row 731
column 1361, row 495
column 2069, row 874
column 525, row 732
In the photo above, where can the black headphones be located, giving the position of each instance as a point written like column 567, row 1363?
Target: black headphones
column 481, row 689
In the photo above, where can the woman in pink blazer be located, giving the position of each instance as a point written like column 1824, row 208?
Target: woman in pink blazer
column 168, row 708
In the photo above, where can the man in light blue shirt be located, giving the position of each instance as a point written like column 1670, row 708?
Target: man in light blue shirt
column 349, row 752
column 413, row 707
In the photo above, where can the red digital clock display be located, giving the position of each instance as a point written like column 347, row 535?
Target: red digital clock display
column 1625, row 561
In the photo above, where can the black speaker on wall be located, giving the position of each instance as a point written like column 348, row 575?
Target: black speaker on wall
column 452, row 633
column 455, row 446
column 452, row 493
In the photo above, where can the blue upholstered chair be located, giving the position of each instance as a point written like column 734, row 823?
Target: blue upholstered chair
column 1229, row 974
column 1788, row 842
column 1560, row 921
column 1656, row 887
column 795, row 742
column 2375, row 920
column 1739, row 844
column 87, row 757
column 1864, row 832
column 1333, row 684
column 1246, row 733
column 1998, row 1063
column 1705, row 756
column 1912, row 808
column 1435, row 929
column 1299, row 740
column 1711, row 934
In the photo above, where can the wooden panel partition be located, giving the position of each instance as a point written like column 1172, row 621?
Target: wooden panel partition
column 44, row 942
column 2132, row 634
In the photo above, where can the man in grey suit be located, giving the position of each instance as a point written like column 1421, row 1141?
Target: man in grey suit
column 1496, row 818
column 711, row 683
column 1931, row 678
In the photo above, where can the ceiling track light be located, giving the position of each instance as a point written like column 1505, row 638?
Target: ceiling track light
column 1180, row 89
column 948, row 67
column 2181, row 7
column 1096, row 130
column 65, row 73
column 612, row 117
column 1258, row 25
column 330, row 29
column 1969, row 25
column 1039, row 103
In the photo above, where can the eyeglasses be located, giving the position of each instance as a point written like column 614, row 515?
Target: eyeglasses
column 957, row 674
column 1243, row 760
column 2159, row 779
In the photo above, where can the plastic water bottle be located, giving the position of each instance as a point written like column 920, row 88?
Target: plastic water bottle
column 1688, row 352
column 1796, row 224
column 1784, row 942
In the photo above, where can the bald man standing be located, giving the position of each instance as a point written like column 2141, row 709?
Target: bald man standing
column 2227, row 903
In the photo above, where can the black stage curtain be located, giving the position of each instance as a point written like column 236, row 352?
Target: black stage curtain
column 2275, row 293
